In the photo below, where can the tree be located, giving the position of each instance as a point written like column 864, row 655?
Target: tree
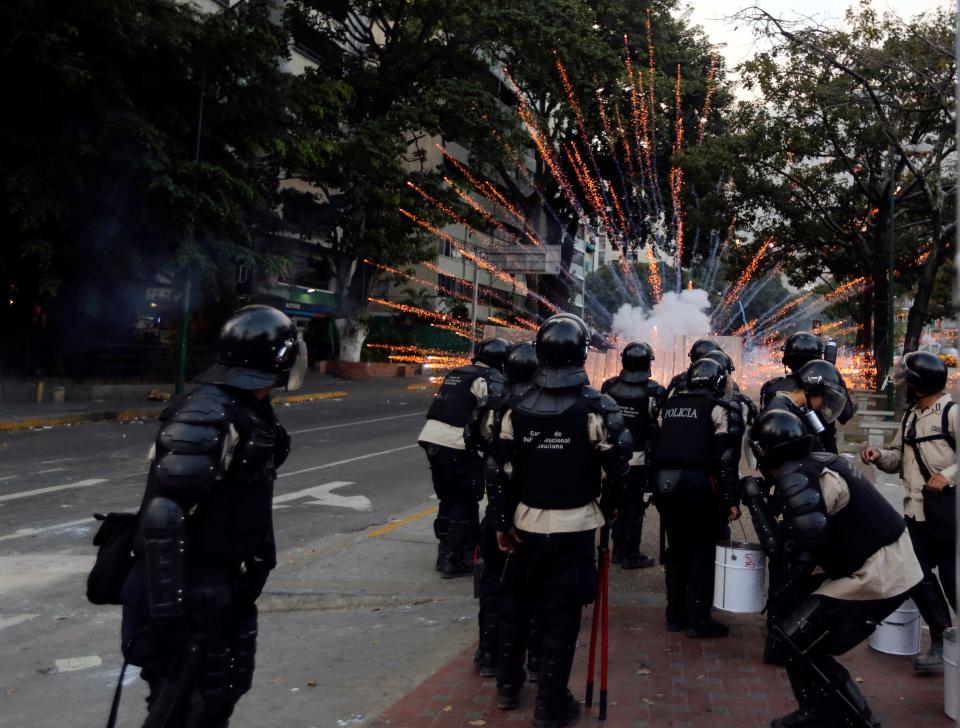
column 413, row 72
column 811, row 159
column 102, row 191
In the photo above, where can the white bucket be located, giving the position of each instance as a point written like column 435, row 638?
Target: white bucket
column 740, row 572
column 950, row 672
column 899, row 633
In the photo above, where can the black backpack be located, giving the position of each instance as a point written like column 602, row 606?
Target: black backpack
column 114, row 558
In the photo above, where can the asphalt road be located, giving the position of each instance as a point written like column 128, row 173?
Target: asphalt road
column 353, row 617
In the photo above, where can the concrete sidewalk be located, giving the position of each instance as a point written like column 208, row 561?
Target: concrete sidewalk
column 15, row 416
column 663, row 680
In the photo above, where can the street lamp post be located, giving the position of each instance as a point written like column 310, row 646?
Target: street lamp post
column 188, row 273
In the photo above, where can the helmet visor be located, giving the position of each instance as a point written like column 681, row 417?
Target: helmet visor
column 900, row 373
column 298, row 371
column 834, row 401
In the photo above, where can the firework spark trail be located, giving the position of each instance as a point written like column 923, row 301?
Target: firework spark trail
column 529, row 325
column 835, row 326
column 718, row 256
column 415, row 310
column 747, row 273
column 466, row 334
column 411, row 277
column 652, row 91
column 529, row 119
column 605, row 119
column 845, row 291
column 479, row 209
column 708, row 101
column 492, row 195
column 571, row 97
column 590, row 188
column 477, row 260
column 445, row 209
column 655, row 285
column 783, row 310
column 676, row 182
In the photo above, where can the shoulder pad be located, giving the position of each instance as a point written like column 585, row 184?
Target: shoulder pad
column 207, row 405
column 600, row 403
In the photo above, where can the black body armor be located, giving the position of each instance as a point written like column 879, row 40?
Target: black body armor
column 454, row 402
column 208, row 501
column 633, row 399
column 686, row 439
column 840, row 543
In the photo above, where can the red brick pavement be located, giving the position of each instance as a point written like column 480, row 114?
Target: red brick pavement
column 663, row 680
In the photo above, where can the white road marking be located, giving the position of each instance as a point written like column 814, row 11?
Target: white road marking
column 52, row 489
column 57, row 460
column 15, row 620
column 323, row 495
column 358, row 422
column 8, row 477
column 24, row 532
column 69, row 664
column 48, row 470
column 348, row 460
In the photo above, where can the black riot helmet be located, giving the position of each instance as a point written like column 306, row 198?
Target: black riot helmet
column 636, row 358
column 562, row 341
column 707, row 374
column 521, row 364
column 799, row 348
column 702, row 347
column 722, row 359
column 819, row 378
column 777, row 437
column 562, row 352
column 921, row 371
column 259, row 347
column 492, row 352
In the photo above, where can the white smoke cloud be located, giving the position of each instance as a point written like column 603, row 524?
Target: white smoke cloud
column 677, row 314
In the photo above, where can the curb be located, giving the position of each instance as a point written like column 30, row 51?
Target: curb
column 129, row 415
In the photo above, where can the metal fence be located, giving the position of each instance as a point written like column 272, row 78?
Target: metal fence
column 127, row 362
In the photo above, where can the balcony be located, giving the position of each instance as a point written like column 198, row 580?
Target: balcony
column 576, row 271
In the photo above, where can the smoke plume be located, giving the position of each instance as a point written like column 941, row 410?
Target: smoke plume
column 676, row 314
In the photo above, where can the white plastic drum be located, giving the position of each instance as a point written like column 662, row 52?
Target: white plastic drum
column 740, row 572
column 899, row 634
column 950, row 672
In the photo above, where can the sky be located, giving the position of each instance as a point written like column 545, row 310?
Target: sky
column 738, row 44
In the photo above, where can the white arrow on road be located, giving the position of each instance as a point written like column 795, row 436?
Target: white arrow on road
column 323, row 495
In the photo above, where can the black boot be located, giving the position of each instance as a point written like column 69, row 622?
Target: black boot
column 928, row 596
column 510, row 674
column 699, row 601
column 443, row 551
column 556, row 705
column 931, row 661
column 459, row 561
column 854, row 698
column 485, row 658
column 676, row 597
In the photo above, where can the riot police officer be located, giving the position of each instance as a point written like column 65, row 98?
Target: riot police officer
column 834, row 519
column 205, row 541
column 694, row 449
column 519, row 368
column 699, row 349
column 800, row 349
column 544, row 478
column 817, row 394
column 458, row 473
column 639, row 398
column 924, row 451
